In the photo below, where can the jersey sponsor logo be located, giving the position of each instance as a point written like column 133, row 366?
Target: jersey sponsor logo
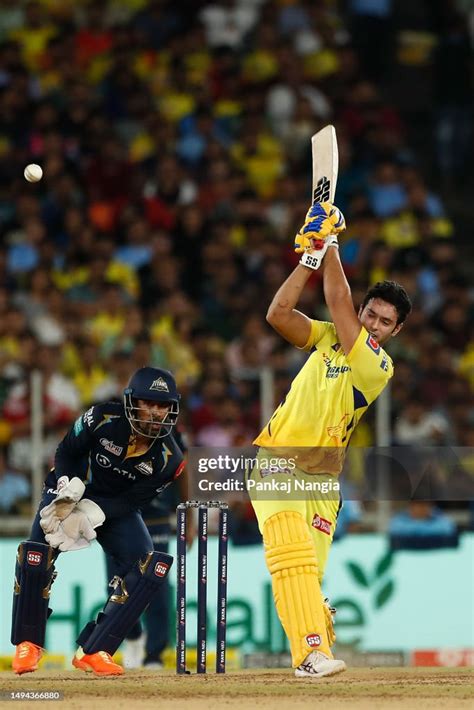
column 88, row 417
column 110, row 446
column 78, row 426
column 161, row 569
column 313, row 640
column 103, row 461
column 274, row 469
column 34, row 558
column 160, row 385
column 124, row 472
column 322, row 524
column 333, row 371
column 372, row 344
column 145, row 467
column 384, row 363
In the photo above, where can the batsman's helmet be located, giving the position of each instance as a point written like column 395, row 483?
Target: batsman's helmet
column 155, row 385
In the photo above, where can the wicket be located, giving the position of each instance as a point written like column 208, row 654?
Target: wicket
column 203, row 508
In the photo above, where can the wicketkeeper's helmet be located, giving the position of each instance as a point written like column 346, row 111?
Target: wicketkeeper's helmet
column 156, row 385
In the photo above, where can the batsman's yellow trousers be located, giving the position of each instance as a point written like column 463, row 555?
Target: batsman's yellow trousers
column 318, row 508
column 297, row 530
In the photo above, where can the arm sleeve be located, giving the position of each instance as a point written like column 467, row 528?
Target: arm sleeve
column 318, row 331
column 74, row 448
column 371, row 366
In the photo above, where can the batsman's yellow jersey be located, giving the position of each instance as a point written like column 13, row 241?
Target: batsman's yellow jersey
column 327, row 399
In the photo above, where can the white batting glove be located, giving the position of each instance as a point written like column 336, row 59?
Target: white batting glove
column 313, row 258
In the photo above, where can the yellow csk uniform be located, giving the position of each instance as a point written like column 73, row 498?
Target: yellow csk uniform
column 328, row 396
column 308, row 434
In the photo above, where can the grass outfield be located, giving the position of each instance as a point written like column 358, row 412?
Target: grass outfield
column 360, row 688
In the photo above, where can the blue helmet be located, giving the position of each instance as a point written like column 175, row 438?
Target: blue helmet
column 155, row 385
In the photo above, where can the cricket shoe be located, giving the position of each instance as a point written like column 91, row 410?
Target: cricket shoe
column 153, row 666
column 100, row 663
column 317, row 665
column 133, row 652
column 27, row 656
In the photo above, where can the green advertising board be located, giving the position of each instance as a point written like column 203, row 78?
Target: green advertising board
column 402, row 601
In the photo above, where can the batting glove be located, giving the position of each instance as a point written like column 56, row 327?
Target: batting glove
column 329, row 614
column 322, row 219
column 323, row 222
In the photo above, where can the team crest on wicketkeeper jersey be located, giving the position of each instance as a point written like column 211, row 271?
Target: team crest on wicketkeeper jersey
column 145, row 467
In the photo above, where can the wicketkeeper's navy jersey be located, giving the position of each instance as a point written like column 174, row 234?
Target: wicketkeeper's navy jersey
column 97, row 450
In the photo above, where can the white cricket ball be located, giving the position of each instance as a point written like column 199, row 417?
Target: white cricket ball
column 33, row 172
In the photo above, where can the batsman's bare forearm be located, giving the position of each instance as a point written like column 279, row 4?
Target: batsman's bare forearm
column 282, row 315
column 338, row 297
column 336, row 287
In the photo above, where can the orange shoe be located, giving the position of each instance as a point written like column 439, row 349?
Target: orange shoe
column 100, row 663
column 27, row 656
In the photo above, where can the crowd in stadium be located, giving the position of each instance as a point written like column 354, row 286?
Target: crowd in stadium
column 175, row 143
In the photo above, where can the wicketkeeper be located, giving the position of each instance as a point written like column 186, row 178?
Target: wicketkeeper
column 116, row 458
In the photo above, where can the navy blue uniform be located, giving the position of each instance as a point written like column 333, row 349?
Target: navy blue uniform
column 122, row 478
column 96, row 450
column 156, row 516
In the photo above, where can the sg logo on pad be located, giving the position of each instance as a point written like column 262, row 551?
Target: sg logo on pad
column 34, row 558
column 313, row 640
column 161, row 568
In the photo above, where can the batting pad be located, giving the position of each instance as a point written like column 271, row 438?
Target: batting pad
column 130, row 598
column 34, row 575
column 291, row 560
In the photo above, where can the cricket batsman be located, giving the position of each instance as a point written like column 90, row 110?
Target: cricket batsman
column 345, row 372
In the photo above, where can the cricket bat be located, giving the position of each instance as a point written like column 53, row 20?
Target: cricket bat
column 325, row 168
column 325, row 164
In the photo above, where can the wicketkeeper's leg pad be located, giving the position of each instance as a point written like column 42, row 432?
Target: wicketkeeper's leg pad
column 34, row 574
column 128, row 601
column 291, row 560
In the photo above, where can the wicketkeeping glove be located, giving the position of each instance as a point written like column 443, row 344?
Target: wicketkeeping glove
column 64, row 503
column 77, row 530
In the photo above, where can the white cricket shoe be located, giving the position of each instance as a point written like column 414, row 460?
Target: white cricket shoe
column 133, row 652
column 317, row 665
column 153, row 666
